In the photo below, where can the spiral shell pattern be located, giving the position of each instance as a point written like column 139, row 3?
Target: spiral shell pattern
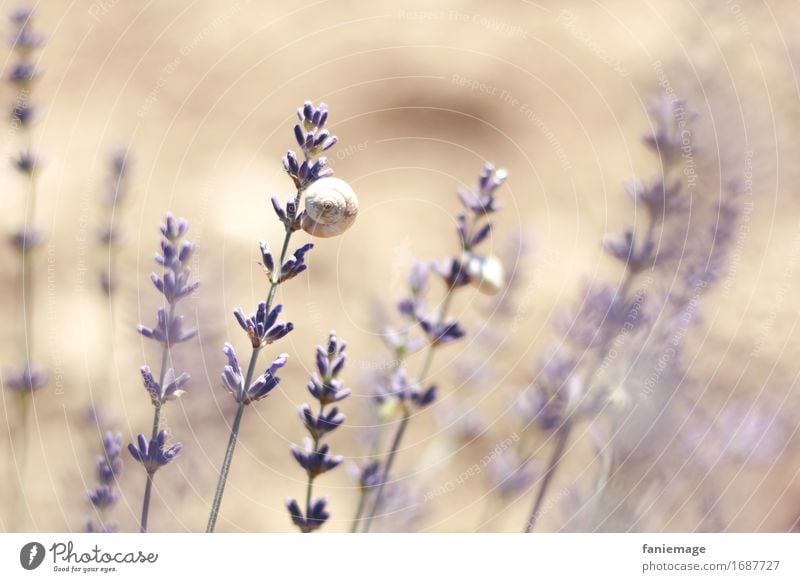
column 331, row 208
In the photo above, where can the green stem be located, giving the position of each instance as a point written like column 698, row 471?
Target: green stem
column 226, row 462
column 310, row 485
column 398, row 437
column 28, row 281
column 148, row 487
column 362, row 501
column 401, row 429
column 18, row 447
column 148, row 490
column 19, row 452
column 364, row 492
column 228, row 459
column 563, row 433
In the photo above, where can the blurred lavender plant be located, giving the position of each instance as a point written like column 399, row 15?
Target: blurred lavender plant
column 22, row 76
column 401, row 394
column 262, row 328
column 110, row 235
column 575, row 380
column 315, row 458
column 106, row 493
column 169, row 330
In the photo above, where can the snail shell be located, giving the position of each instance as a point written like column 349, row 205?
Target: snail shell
column 485, row 273
column 331, row 207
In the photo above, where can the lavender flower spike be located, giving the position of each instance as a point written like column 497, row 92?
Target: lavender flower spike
column 315, row 456
column 313, row 140
column 315, row 461
column 105, row 494
column 174, row 284
column 315, row 517
column 466, row 267
column 262, row 327
column 233, row 379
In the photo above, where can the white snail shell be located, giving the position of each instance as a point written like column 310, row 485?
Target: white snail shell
column 331, row 208
column 485, row 273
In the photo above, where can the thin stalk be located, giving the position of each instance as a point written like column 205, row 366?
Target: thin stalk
column 563, row 434
column 27, row 280
column 17, row 448
column 364, row 493
column 401, row 429
column 148, row 488
column 362, row 501
column 310, row 485
column 226, row 463
column 398, row 437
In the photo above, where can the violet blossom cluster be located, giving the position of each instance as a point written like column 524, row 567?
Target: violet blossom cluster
column 315, row 458
column 110, row 234
column 22, row 76
column 263, row 327
column 174, row 284
column 424, row 330
column 105, row 494
column 628, row 338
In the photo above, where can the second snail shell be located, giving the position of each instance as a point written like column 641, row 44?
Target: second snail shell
column 485, row 273
column 331, row 207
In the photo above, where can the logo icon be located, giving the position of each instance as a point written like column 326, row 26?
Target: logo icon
column 31, row 555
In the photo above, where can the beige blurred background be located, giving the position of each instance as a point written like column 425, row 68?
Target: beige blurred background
column 420, row 95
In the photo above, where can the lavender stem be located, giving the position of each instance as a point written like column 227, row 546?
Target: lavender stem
column 565, row 429
column 316, row 449
column 362, row 502
column 401, row 429
column 226, row 463
column 148, row 488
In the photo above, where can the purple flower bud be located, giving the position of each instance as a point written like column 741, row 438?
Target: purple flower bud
column 317, row 516
column 154, row 454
